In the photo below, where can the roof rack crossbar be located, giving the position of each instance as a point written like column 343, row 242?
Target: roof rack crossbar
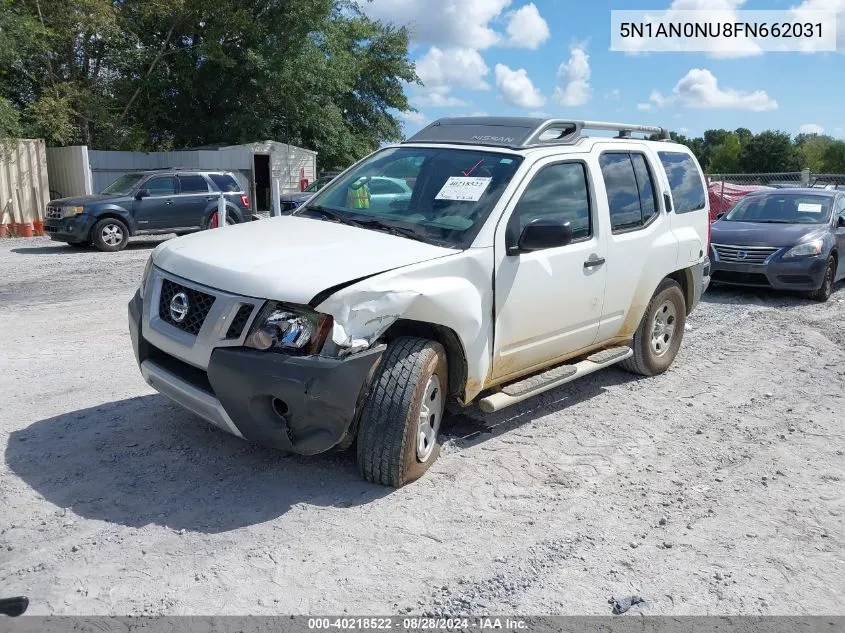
column 571, row 131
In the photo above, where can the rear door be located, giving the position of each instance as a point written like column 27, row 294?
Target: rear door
column 153, row 212
column 839, row 210
column 641, row 249
column 549, row 302
column 689, row 202
column 194, row 198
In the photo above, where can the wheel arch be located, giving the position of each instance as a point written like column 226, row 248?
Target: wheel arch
column 448, row 338
column 114, row 214
column 685, row 281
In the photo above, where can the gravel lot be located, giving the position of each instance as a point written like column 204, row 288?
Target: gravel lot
column 716, row 488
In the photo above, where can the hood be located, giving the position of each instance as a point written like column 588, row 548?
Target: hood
column 762, row 234
column 300, row 196
column 82, row 200
column 287, row 258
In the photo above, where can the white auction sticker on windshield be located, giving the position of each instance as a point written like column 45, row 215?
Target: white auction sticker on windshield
column 466, row 189
column 809, row 207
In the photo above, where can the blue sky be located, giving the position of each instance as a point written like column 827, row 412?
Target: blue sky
column 552, row 57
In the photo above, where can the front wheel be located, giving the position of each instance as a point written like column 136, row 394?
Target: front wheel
column 400, row 421
column 110, row 235
column 826, row 289
column 659, row 336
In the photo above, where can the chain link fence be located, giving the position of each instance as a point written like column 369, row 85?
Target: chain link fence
column 725, row 190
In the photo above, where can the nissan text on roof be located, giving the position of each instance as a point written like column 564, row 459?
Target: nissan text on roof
column 527, row 256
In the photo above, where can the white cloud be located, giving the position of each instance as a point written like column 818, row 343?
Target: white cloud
column 540, row 114
column 643, row 106
column 699, row 88
column 416, row 119
column 724, row 11
column 436, row 99
column 516, row 88
column 573, row 76
column 614, row 95
column 829, row 5
column 526, row 27
column 462, row 23
column 453, row 68
column 811, row 128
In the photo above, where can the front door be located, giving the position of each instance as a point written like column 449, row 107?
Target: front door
column 549, row 302
column 839, row 211
column 155, row 210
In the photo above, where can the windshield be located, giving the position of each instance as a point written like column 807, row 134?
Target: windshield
column 441, row 196
column 317, row 185
column 780, row 208
column 123, row 185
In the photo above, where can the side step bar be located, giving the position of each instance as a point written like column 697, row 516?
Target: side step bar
column 527, row 387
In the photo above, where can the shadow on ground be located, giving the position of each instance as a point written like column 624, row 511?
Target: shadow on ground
column 65, row 249
column 736, row 295
column 144, row 460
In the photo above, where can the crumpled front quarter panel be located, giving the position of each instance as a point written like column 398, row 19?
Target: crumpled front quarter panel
column 455, row 292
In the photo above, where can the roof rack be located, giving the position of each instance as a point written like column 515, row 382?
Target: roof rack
column 521, row 133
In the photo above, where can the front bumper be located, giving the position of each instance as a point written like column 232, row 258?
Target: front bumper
column 804, row 274
column 75, row 229
column 300, row 404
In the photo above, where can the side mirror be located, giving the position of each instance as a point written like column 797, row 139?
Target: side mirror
column 143, row 193
column 542, row 233
column 841, row 222
column 719, row 216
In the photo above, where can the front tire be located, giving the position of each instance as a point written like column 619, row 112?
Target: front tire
column 659, row 335
column 400, row 421
column 110, row 235
column 826, row 289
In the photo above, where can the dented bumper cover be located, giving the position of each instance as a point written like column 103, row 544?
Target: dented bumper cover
column 300, row 404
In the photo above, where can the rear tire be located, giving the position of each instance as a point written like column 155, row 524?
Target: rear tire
column 397, row 437
column 213, row 221
column 659, row 335
column 826, row 289
column 110, row 235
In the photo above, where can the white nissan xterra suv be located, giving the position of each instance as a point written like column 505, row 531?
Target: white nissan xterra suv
column 520, row 255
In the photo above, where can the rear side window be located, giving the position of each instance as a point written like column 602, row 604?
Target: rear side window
column 225, row 182
column 630, row 190
column 161, row 186
column 193, row 183
column 684, row 181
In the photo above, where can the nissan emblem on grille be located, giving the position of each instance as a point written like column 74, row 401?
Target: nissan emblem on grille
column 179, row 307
column 741, row 255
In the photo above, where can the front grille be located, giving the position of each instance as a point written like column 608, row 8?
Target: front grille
column 240, row 321
column 744, row 254
column 745, row 279
column 55, row 213
column 199, row 305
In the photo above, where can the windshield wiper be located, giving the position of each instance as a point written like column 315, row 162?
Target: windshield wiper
column 401, row 231
column 328, row 214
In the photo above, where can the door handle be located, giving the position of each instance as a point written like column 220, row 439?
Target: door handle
column 592, row 263
column 168, row 202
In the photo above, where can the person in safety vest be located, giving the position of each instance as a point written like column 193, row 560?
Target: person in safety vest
column 358, row 194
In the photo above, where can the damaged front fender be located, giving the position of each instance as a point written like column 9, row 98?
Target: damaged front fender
column 455, row 292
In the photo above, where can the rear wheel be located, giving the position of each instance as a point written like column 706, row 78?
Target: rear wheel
column 400, row 421
column 659, row 335
column 826, row 289
column 214, row 220
column 110, row 235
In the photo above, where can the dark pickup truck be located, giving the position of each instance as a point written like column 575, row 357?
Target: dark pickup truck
column 146, row 203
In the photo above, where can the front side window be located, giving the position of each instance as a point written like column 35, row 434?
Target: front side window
column 840, row 207
column 161, row 186
column 558, row 192
column 193, row 183
column 684, row 181
column 630, row 190
column 790, row 208
column 437, row 195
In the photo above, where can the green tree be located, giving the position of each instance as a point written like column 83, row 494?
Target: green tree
column 834, row 158
column 726, row 158
column 743, row 134
column 770, row 152
column 811, row 150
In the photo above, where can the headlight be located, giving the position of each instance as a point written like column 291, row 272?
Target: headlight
column 807, row 249
column 145, row 275
column 72, row 212
column 281, row 328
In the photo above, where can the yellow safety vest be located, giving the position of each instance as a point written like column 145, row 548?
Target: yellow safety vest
column 358, row 195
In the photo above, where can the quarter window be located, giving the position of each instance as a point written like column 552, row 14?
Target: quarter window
column 225, row 182
column 161, row 186
column 193, row 183
column 684, row 181
column 558, row 192
column 630, row 189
